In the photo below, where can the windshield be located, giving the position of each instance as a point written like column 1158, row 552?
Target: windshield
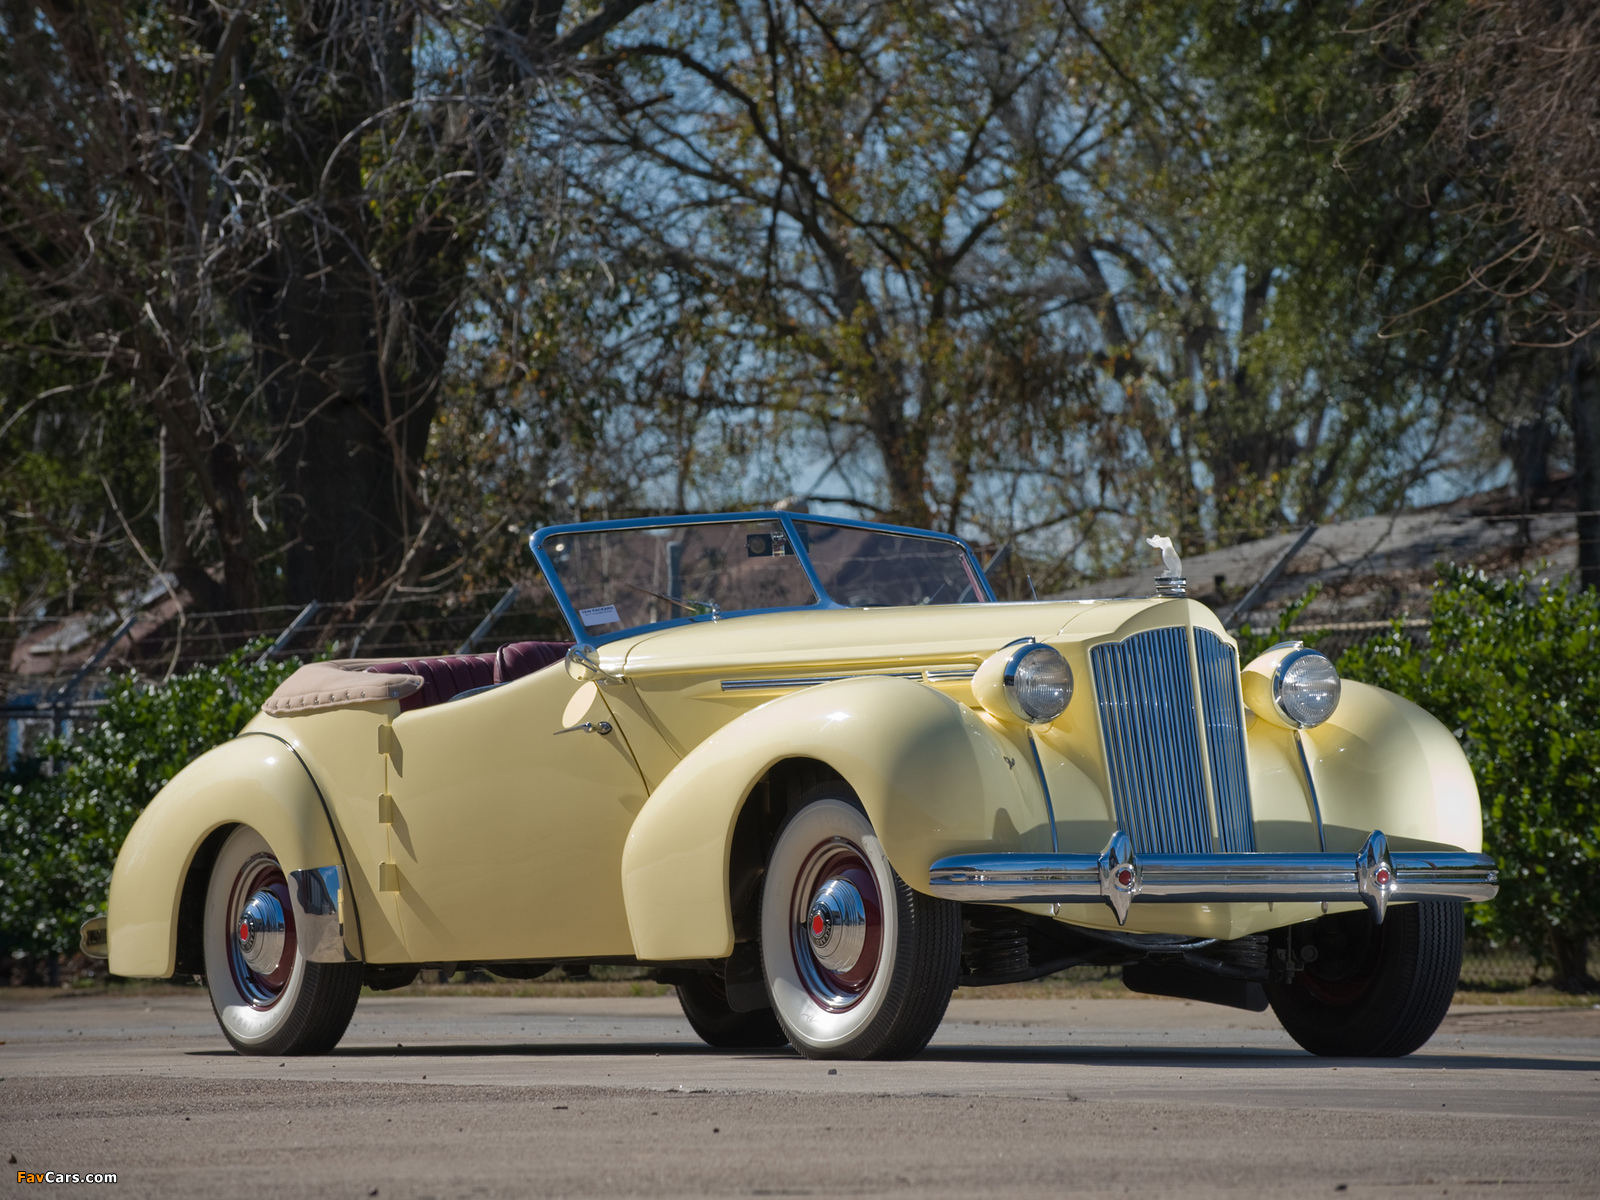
column 616, row 578
column 869, row 568
column 619, row 579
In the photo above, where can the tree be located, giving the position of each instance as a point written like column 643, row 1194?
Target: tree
column 257, row 223
column 1039, row 272
column 1510, row 90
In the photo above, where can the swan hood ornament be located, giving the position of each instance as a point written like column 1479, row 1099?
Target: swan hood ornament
column 1171, row 581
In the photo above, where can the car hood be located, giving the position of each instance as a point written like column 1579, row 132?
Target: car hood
column 886, row 637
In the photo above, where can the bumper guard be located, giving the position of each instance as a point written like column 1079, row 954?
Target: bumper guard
column 1374, row 875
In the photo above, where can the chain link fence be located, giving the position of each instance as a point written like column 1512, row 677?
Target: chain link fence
column 1489, row 968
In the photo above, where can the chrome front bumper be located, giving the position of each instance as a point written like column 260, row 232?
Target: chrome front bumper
column 1374, row 875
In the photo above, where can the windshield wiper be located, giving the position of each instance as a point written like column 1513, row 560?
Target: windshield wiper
column 696, row 607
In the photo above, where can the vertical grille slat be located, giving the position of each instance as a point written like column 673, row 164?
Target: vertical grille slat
column 1152, row 727
column 1147, row 712
column 1224, row 719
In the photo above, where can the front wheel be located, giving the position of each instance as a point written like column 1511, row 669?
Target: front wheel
column 1368, row 990
column 858, row 964
column 267, row 997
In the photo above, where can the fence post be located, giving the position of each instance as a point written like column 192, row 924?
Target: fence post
column 495, row 613
column 305, row 614
column 1267, row 580
column 64, row 693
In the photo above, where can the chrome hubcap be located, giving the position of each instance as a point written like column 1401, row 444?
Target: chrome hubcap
column 261, row 936
column 837, row 925
column 261, row 933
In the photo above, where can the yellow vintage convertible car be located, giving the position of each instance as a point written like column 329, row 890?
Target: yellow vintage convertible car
column 813, row 774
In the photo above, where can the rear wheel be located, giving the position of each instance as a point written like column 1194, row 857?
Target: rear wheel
column 1371, row 991
column 858, row 964
column 705, row 1003
column 267, row 997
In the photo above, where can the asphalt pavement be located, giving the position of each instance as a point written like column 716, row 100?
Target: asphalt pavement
column 484, row 1096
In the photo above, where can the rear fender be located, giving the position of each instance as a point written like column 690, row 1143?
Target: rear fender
column 933, row 776
column 255, row 780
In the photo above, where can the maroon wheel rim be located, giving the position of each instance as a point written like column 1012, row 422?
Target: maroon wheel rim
column 261, row 990
column 836, row 988
column 1344, row 978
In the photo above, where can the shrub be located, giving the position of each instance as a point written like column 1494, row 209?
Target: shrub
column 1511, row 667
column 60, row 830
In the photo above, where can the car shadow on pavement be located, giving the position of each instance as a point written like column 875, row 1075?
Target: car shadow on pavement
column 1261, row 1057
column 534, row 1050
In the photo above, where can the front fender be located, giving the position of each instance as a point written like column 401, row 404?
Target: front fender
column 934, row 778
column 255, row 780
column 1380, row 762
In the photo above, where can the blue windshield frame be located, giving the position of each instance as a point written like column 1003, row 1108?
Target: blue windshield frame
column 787, row 520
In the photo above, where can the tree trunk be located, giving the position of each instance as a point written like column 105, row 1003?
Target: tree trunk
column 902, row 445
column 343, row 470
column 1571, row 953
column 1584, row 381
column 352, row 318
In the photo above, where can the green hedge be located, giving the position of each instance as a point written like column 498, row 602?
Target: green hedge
column 60, row 831
column 1513, row 668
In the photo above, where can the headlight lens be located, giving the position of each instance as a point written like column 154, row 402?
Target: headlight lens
column 1306, row 689
column 1038, row 683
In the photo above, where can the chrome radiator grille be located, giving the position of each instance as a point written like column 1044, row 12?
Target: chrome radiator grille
column 1223, row 710
column 1152, row 733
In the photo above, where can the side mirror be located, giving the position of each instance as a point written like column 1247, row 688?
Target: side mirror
column 583, row 664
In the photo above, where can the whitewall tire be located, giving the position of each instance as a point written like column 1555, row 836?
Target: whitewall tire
column 267, row 997
column 858, row 965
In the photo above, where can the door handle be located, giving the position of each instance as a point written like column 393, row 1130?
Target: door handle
column 601, row 727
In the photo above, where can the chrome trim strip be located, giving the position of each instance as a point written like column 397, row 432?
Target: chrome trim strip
column 1376, row 876
column 1222, row 708
column 756, row 685
column 1044, row 785
column 1311, row 786
column 317, row 895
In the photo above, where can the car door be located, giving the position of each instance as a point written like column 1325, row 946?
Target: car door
column 508, row 834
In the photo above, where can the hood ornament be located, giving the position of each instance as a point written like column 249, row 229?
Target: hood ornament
column 1171, row 581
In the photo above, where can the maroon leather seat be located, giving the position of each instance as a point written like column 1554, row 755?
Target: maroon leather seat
column 442, row 677
column 516, row 659
column 449, row 675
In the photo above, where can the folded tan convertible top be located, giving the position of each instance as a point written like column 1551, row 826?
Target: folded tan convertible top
column 316, row 687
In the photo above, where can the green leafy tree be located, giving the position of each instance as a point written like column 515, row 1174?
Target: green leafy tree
column 60, row 832
column 1511, row 666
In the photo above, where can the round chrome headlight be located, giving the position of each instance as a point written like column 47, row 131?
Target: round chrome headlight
column 1305, row 687
column 1038, row 683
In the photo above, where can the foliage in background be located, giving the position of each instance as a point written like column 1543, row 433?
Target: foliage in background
column 60, row 832
column 1510, row 93
column 1034, row 274
column 1046, row 275
column 1253, row 643
column 1513, row 668
column 250, row 227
